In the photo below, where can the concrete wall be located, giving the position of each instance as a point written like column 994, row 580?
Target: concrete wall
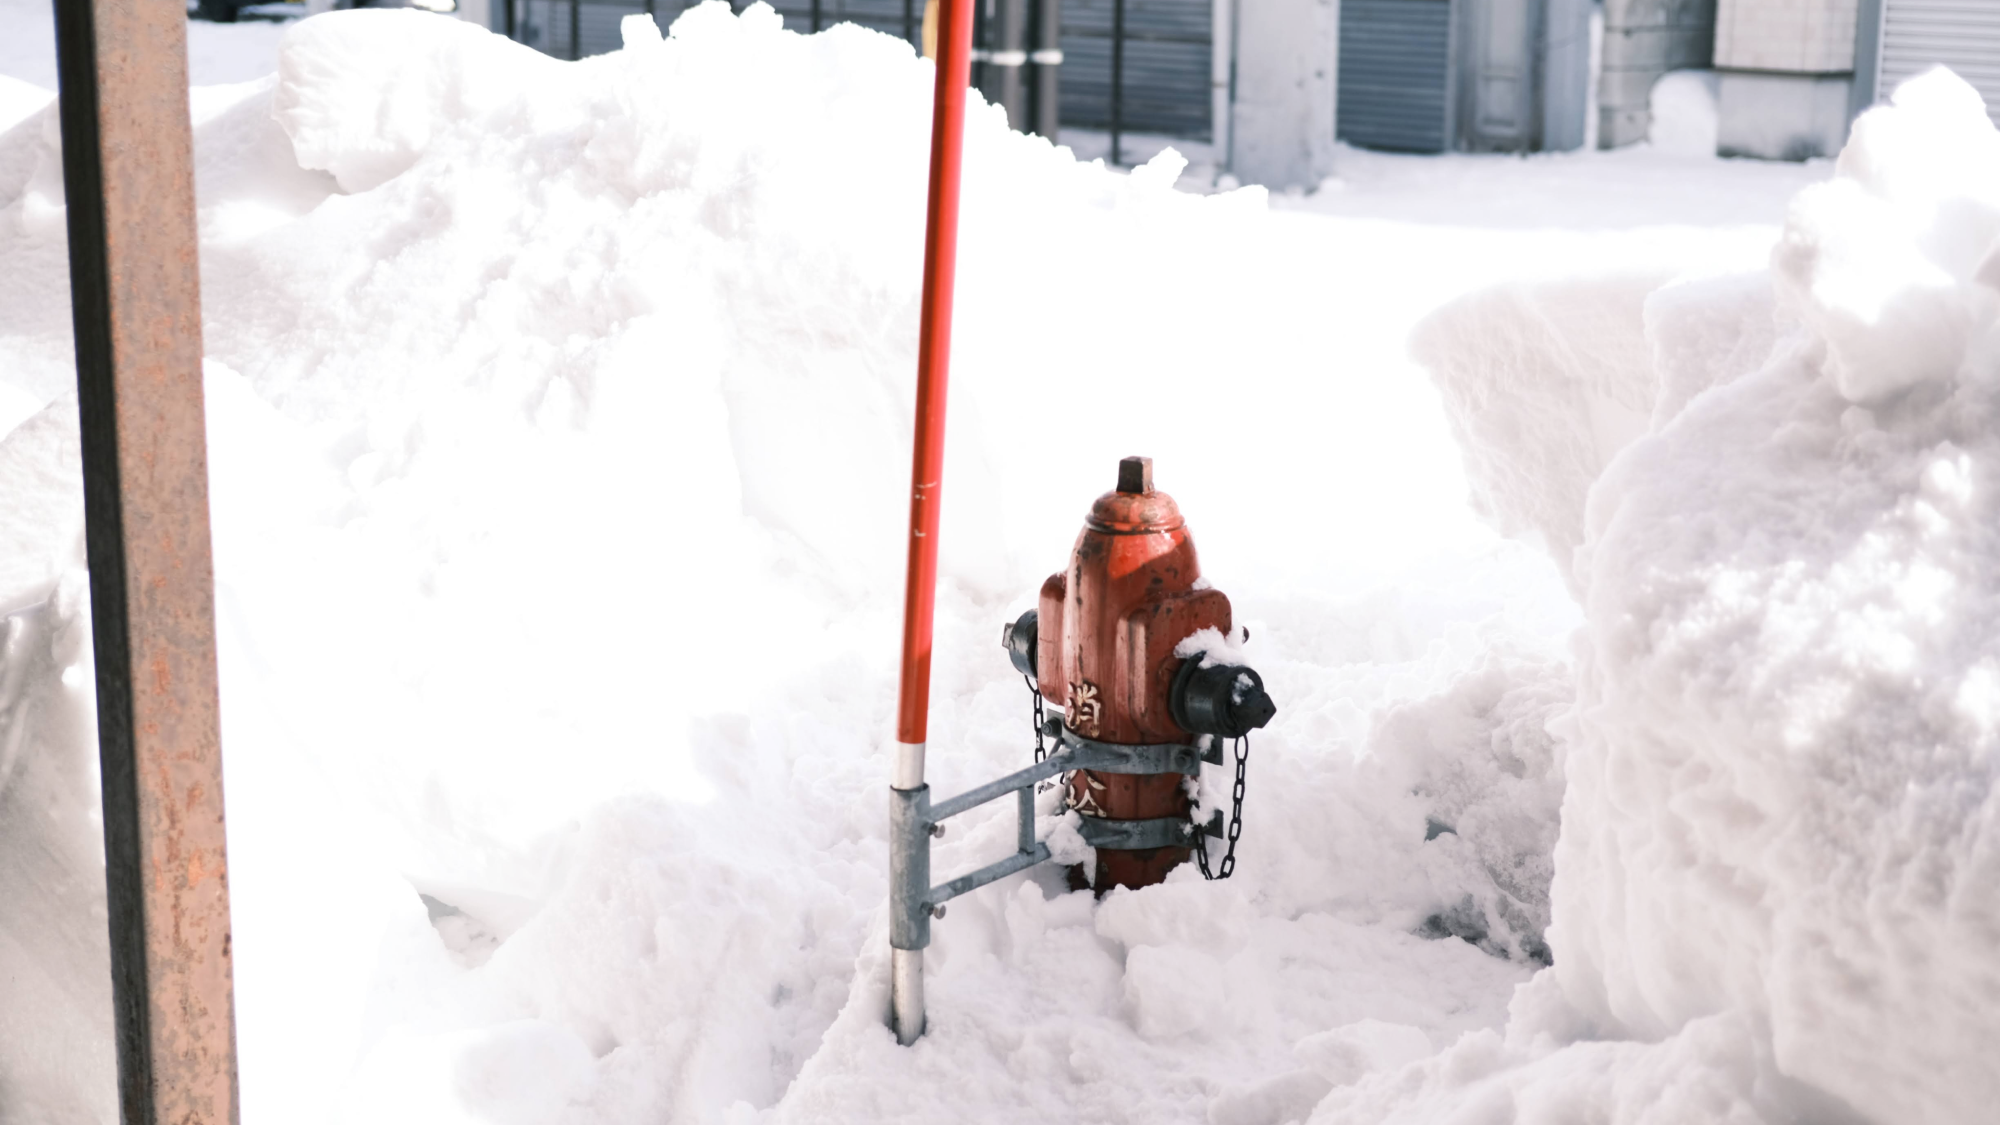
column 1565, row 74
column 1802, row 36
column 1644, row 39
column 1286, row 54
column 1786, row 70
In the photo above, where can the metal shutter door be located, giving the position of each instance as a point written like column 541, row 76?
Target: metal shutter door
column 1962, row 34
column 1395, row 75
column 885, row 16
column 1166, row 69
column 545, row 24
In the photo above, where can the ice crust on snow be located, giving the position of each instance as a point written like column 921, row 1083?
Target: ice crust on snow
column 556, row 417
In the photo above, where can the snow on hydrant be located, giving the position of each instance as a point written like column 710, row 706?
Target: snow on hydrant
column 1110, row 641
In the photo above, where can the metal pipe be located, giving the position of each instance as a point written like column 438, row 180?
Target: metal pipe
column 909, row 908
column 507, row 20
column 1221, row 53
column 910, row 24
column 575, row 30
column 1047, row 59
column 816, row 14
column 906, row 994
column 1009, row 40
column 954, row 72
column 992, row 873
column 1117, row 79
column 128, row 174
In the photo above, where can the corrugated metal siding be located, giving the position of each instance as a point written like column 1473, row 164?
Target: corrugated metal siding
column 1395, row 74
column 1166, row 66
column 881, row 15
column 544, row 24
column 1961, row 34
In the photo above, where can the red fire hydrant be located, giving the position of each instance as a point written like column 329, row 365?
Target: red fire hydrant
column 1102, row 643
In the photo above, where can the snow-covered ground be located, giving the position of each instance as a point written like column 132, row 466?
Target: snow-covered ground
column 559, row 413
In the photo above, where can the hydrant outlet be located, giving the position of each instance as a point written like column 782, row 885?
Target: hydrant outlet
column 1227, row 700
column 1021, row 639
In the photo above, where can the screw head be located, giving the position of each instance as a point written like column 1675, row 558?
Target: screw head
column 937, row 830
column 937, row 911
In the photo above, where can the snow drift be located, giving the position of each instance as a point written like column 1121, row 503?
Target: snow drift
column 558, row 418
column 1779, row 868
column 1782, row 782
column 558, row 414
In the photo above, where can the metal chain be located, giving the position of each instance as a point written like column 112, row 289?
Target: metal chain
column 1035, row 690
column 1228, row 867
column 1041, row 748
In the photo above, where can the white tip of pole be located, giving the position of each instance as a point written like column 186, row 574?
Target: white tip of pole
column 909, row 765
column 906, row 994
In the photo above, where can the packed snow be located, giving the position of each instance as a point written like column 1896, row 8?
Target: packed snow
column 1618, row 572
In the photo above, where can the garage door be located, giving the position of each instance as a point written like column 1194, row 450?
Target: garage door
column 1164, row 73
column 1395, row 75
column 1164, row 77
column 1961, row 34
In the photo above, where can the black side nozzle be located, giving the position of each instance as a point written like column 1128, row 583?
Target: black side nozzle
column 1225, row 700
column 1020, row 640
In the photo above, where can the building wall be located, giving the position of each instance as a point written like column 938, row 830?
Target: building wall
column 1644, row 39
column 1796, row 36
column 1287, row 54
column 1785, row 73
column 1566, row 75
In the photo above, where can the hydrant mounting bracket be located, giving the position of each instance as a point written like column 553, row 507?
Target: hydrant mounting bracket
column 913, row 901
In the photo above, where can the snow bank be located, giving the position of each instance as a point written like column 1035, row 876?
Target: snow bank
column 1782, row 786
column 1778, row 878
column 557, row 417
column 1685, row 119
column 1544, row 384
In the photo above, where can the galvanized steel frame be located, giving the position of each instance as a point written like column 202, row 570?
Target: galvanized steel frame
column 914, row 821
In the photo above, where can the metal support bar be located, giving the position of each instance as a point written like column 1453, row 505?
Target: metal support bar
column 994, row 790
column 1029, row 852
column 1019, row 861
column 128, row 174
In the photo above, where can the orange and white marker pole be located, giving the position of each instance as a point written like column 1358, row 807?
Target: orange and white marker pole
column 954, row 76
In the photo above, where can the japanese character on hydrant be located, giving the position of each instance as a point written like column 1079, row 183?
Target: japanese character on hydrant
column 1102, row 641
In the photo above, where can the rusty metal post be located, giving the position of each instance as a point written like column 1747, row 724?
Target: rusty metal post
column 128, row 171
